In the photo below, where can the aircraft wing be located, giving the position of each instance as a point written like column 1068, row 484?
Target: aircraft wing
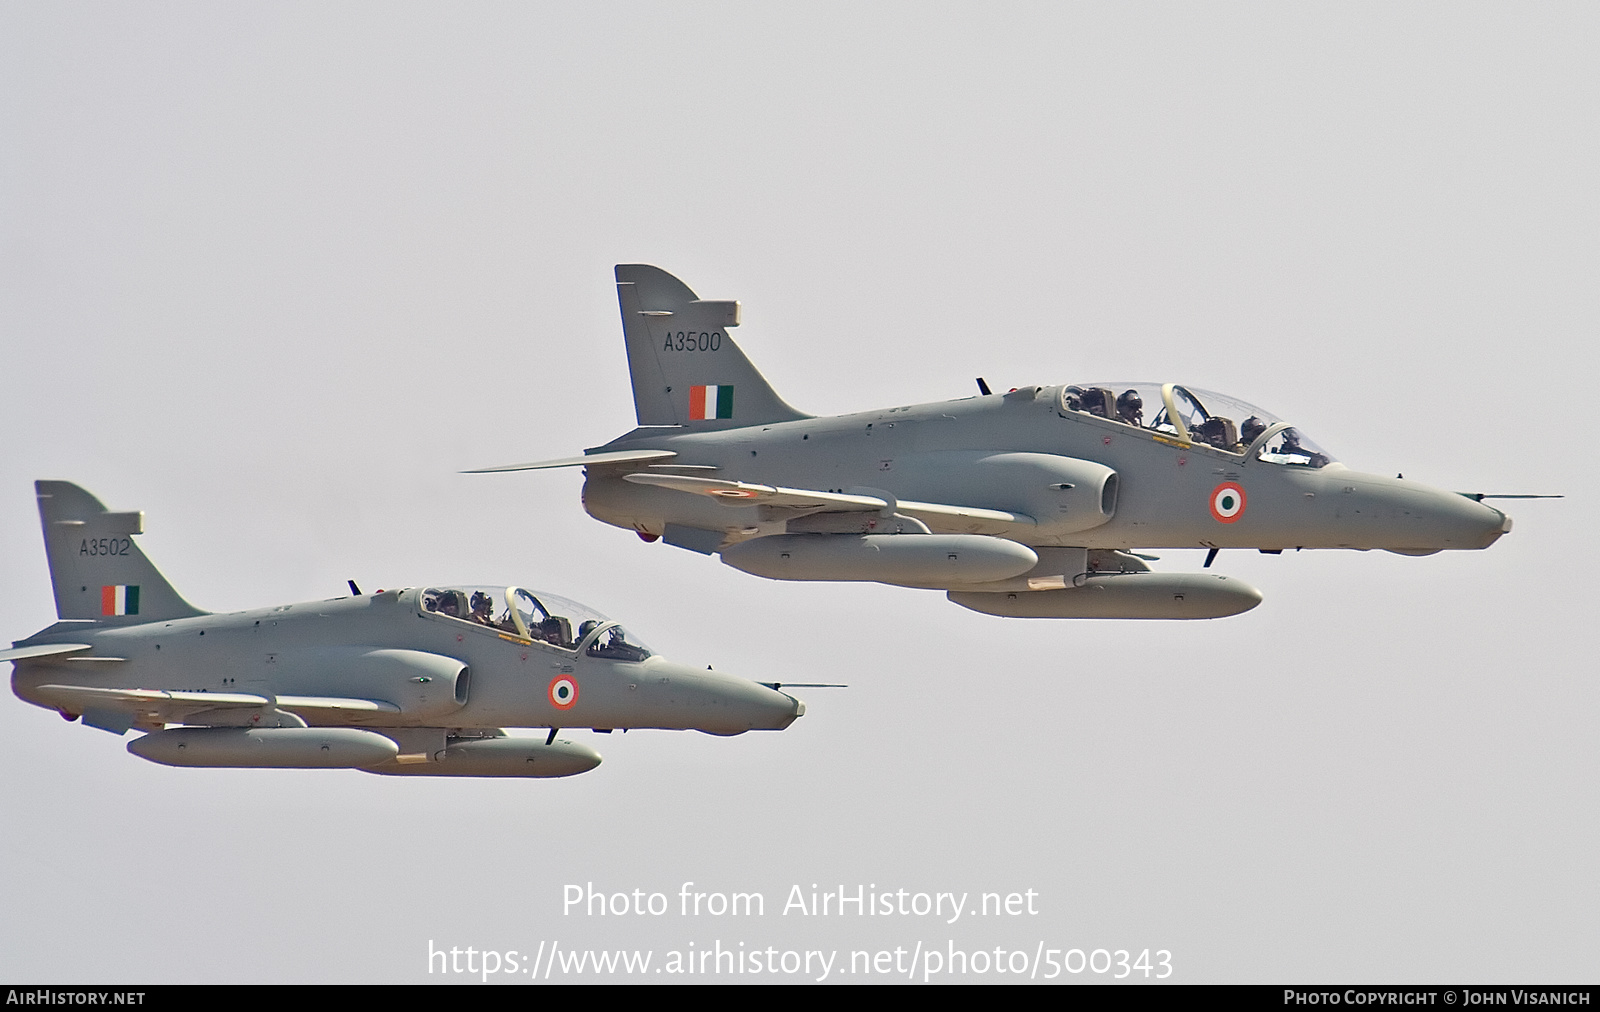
column 742, row 493
column 335, row 704
column 975, row 515
column 1481, row 496
column 173, row 705
column 610, row 457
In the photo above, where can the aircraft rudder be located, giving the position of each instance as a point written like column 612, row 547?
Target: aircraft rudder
column 686, row 368
column 97, row 570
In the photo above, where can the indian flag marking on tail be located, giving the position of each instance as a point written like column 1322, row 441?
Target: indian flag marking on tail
column 710, row 402
column 119, row 600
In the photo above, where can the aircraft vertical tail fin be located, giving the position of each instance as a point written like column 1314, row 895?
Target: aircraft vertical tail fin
column 686, row 369
column 98, row 571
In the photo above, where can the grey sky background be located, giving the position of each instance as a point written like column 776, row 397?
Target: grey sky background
column 275, row 273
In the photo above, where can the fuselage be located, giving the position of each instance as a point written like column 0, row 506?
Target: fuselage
column 430, row 669
column 1019, row 453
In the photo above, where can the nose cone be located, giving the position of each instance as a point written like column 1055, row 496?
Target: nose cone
column 724, row 704
column 1409, row 518
column 1466, row 523
column 752, row 707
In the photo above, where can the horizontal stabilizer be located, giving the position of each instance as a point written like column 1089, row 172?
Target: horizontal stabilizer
column 587, row 460
column 43, row 650
column 740, row 493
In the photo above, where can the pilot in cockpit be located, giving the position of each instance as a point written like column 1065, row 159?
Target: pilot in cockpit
column 1292, row 450
column 617, row 647
column 1130, row 408
column 482, row 608
column 1217, row 431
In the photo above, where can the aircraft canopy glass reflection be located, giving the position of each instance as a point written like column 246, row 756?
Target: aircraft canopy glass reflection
column 538, row 616
column 1192, row 415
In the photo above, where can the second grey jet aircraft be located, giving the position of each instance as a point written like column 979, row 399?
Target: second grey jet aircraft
column 417, row 682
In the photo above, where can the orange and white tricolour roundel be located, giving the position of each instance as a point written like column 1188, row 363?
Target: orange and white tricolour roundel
column 563, row 692
column 735, row 493
column 1227, row 502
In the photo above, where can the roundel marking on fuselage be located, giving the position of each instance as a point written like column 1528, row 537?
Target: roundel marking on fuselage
column 563, row 692
column 1227, row 502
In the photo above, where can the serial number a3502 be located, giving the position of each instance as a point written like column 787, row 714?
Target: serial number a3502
column 105, row 546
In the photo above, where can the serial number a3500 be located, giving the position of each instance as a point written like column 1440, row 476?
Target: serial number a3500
column 690, row 340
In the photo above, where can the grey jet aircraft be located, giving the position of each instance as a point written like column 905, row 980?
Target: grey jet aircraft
column 417, row 682
column 1032, row 503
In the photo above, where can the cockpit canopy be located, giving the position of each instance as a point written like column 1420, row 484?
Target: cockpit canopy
column 536, row 616
column 1192, row 415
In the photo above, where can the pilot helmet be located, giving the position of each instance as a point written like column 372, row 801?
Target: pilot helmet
column 1130, row 404
column 482, row 601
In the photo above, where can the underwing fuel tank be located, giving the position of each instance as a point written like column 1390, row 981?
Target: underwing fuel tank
column 499, row 757
column 1123, row 595
column 917, row 560
column 301, row 748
